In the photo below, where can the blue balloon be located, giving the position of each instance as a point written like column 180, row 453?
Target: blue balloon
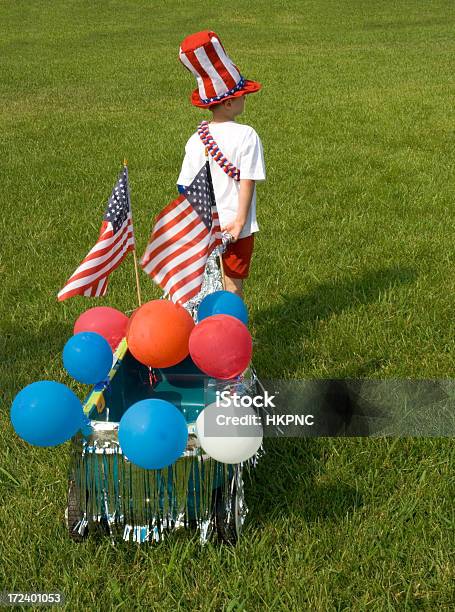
column 223, row 302
column 153, row 433
column 87, row 357
column 46, row 413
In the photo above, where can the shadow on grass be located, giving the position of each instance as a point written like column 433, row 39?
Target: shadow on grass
column 286, row 480
column 284, row 485
column 281, row 328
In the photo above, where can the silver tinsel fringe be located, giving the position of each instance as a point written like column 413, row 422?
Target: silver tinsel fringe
column 212, row 278
column 142, row 505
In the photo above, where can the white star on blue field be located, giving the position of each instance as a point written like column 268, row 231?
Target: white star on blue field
column 199, row 195
column 118, row 205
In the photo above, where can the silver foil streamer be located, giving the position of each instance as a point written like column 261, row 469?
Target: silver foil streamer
column 212, row 277
column 143, row 505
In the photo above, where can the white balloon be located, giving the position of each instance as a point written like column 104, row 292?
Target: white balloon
column 241, row 426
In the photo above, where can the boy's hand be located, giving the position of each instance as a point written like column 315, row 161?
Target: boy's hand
column 245, row 197
column 234, row 229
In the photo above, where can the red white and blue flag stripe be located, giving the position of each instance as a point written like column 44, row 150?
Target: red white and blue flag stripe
column 185, row 233
column 115, row 240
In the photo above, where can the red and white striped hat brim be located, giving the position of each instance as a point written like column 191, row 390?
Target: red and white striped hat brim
column 218, row 78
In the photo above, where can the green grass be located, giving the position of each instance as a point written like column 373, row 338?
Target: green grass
column 353, row 276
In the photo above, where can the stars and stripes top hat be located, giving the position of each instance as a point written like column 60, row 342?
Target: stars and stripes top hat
column 218, row 78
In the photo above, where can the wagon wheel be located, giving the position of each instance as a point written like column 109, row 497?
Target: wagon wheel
column 73, row 513
column 228, row 514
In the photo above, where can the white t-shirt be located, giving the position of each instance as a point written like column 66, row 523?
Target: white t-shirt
column 241, row 145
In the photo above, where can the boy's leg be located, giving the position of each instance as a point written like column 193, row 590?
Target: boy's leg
column 236, row 264
column 235, row 285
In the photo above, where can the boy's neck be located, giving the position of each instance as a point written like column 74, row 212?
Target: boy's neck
column 221, row 116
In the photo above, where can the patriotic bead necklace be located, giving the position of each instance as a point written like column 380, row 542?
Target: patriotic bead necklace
column 213, row 149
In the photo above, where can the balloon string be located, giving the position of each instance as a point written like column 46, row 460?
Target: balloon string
column 153, row 379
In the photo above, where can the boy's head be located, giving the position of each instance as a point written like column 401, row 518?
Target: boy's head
column 228, row 109
column 218, row 78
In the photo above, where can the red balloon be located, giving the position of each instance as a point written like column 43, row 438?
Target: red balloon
column 104, row 320
column 158, row 333
column 130, row 319
column 221, row 346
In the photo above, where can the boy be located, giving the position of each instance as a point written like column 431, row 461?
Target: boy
column 235, row 150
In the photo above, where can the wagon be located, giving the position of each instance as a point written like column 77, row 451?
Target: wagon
column 109, row 494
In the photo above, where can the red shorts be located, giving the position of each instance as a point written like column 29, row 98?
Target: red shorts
column 237, row 257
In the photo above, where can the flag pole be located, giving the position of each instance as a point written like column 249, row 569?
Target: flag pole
column 209, row 177
column 138, row 287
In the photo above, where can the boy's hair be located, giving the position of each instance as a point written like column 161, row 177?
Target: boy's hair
column 214, row 106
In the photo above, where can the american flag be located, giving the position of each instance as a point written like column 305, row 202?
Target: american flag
column 115, row 240
column 185, row 233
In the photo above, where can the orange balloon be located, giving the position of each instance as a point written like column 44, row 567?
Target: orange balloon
column 159, row 332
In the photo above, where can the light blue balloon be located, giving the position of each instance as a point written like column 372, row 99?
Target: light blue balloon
column 153, row 433
column 87, row 357
column 223, row 302
column 46, row 413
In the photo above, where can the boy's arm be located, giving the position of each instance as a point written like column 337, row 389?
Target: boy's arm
column 245, row 197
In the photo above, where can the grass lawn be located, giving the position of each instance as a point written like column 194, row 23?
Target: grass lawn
column 353, row 276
